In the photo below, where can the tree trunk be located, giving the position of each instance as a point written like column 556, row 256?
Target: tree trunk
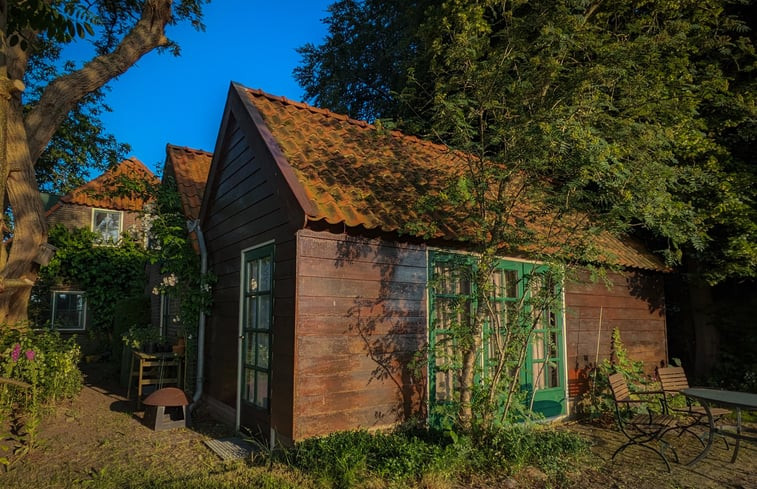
column 27, row 139
column 30, row 228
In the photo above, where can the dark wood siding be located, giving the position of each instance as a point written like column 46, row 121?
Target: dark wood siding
column 361, row 319
column 633, row 303
column 244, row 211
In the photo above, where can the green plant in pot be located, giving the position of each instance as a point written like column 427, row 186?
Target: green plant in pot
column 144, row 338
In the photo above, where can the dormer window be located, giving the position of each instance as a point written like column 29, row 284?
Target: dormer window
column 107, row 225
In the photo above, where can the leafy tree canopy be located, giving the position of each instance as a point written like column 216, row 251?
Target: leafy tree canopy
column 640, row 112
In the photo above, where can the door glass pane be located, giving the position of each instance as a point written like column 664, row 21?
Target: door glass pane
column 264, row 312
column 261, row 397
column 252, row 308
column 252, row 276
column 262, row 345
column 265, row 274
column 249, row 385
column 249, row 348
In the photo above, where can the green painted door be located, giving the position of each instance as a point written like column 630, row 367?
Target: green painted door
column 257, row 314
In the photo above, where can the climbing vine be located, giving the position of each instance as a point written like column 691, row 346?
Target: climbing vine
column 108, row 274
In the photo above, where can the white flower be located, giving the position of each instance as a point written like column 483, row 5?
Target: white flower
column 155, row 291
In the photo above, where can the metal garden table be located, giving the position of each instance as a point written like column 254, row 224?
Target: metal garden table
column 731, row 399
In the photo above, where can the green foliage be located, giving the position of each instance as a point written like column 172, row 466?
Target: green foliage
column 411, row 454
column 81, row 264
column 597, row 402
column 642, row 111
column 514, row 447
column 39, row 368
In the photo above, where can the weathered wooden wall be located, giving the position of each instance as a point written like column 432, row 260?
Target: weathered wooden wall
column 245, row 210
column 633, row 303
column 361, row 319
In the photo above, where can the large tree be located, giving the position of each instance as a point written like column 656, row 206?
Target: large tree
column 670, row 83
column 122, row 32
column 634, row 114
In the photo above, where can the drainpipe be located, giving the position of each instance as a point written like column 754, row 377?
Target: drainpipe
column 195, row 226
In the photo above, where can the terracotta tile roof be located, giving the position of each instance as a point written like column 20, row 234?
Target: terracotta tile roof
column 354, row 173
column 103, row 192
column 189, row 168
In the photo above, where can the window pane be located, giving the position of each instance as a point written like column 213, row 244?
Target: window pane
column 505, row 283
column 445, row 371
column 538, row 375
column 264, row 312
column 68, row 310
column 261, row 397
column 537, row 346
column 553, row 344
column 107, row 225
column 553, row 378
column 511, row 284
column 262, row 345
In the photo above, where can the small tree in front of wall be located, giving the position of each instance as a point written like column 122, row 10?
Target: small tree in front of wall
column 515, row 185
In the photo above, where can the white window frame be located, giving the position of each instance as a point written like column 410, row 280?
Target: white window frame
column 100, row 237
column 83, row 323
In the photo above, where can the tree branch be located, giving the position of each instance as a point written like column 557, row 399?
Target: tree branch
column 63, row 93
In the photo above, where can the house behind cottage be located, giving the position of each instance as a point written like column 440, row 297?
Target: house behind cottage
column 109, row 206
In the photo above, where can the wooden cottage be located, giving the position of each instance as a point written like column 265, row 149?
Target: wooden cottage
column 321, row 305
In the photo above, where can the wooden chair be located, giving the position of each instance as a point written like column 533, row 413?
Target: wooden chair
column 673, row 380
column 640, row 429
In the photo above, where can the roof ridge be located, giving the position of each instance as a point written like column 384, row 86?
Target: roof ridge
column 188, row 149
column 342, row 117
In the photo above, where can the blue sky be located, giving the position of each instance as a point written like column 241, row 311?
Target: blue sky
column 180, row 100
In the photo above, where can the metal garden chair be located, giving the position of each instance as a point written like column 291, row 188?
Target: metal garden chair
column 673, row 380
column 644, row 430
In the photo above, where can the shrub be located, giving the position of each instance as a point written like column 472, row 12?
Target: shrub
column 510, row 448
column 344, row 458
column 409, row 456
column 44, row 361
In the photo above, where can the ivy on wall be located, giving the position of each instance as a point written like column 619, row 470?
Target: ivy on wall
column 108, row 275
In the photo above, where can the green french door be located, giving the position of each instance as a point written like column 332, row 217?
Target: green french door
column 514, row 286
column 257, row 314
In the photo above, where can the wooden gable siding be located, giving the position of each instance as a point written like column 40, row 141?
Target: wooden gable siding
column 74, row 216
column 361, row 319
column 244, row 211
column 633, row 303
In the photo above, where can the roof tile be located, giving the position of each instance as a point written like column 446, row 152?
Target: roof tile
column 359, row 175
column 104, row 192
column 189, row 167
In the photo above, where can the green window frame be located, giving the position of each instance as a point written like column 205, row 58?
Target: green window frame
column 451, row 294
column 257, row 322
